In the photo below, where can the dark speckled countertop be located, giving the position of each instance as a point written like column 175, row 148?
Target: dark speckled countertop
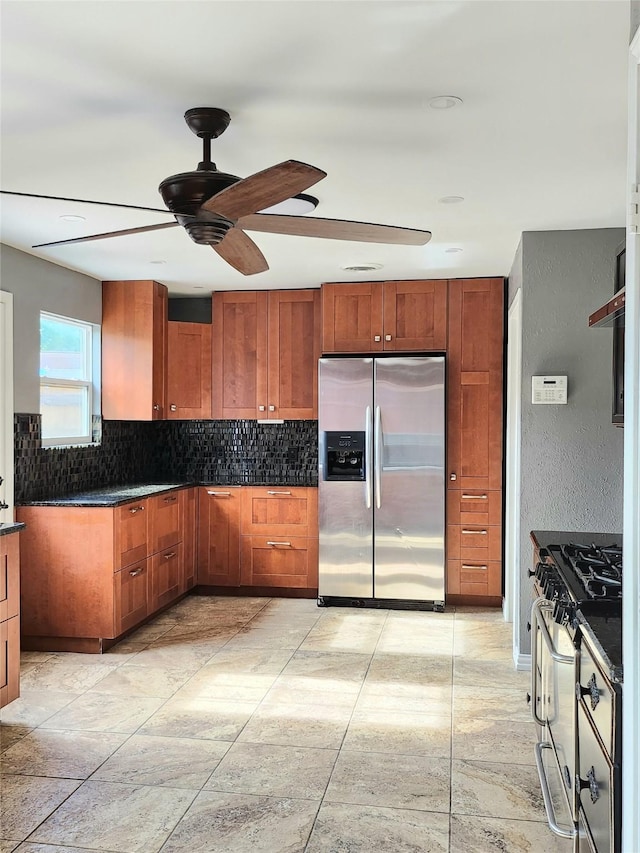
column 10, row 527
column 110, row 495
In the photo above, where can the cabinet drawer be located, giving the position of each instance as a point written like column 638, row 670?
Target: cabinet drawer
column 131, row 533
column 279, row 561
column 469, row 542
column 131, row 596
column 597, row 697
column 165, row 514
column 166, row 574
column 9, row 576
column 280, row 510
column 474, row 577
column 474, row 507
column 9, row 660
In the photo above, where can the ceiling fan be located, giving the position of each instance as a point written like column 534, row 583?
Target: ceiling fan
column 216, row 209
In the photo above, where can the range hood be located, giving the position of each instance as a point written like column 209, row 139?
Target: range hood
column 609, row 312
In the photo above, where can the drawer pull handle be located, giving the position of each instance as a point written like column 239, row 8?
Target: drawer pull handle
column 169, row 556
column 475, row 568
column 284, row 544
column 476, row 532
column 278, row 493
column 135, row 509
column 474, row 497
column 219, row 494
column 135, row 572
column 170, row 499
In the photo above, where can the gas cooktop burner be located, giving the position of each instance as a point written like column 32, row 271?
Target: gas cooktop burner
column 597, row 568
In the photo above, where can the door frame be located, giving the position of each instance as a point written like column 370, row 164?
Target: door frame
column 631, row 526
column 6, row 404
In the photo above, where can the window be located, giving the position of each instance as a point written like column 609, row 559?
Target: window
column 66, row 380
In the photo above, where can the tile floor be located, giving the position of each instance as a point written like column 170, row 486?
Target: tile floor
column 250, row 724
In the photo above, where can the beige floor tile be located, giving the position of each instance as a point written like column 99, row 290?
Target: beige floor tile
column 60, row 675
column 338, row 672
column 130, row 680
column 120, row 818
column 328, row 636
column 10, row 735
column 263, row 665
column 297, row 725
column 28, row 800
column 241, row 823
column 393, row 671
column 367, row 829
column 207, row 719
column 176, row 654
column 481, row 739
column 173, row 762
column 399, row 732
column 8, row 846
column 267, row 638
column 496, row 835
column 28, row 847
column 147, row 633
column 274, row 771
column 103, row 712
column 288, row 695
column 491, row 703
column 67, row 755
column 471, row 672
column 496, row 790
column 407, row 697
column 483, row 640
column 33, row 707
column 390, row 781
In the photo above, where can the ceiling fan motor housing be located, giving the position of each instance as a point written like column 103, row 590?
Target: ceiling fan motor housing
column 184, row 195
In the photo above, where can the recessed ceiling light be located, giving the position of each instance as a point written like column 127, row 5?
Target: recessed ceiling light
column 367, row 267
column 451, row 199
column 297, row 205
column 157, row 262
column 454, row 249
column 69, row 217
column 198, row 287
column 445, row 102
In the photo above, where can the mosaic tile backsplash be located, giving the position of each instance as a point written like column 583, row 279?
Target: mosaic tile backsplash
column 222, row 452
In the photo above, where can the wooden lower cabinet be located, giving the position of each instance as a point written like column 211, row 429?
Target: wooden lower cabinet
column 130, row 595
column 291, row 562
column 9, row 618
column 189, row 539
column 218, row 562
column 165, row 577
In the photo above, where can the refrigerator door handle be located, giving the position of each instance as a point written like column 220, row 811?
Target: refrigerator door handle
column 378, row 459
column 367, row 457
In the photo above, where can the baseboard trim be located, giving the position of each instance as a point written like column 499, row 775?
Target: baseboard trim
column 522, row 662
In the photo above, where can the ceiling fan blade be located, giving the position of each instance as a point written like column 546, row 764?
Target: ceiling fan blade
column 89, row 237
column 334, row 229
column 264, row 189
column 87, row 201
column 239, row 250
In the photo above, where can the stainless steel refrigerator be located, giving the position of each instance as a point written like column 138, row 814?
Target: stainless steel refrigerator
column 381, row 490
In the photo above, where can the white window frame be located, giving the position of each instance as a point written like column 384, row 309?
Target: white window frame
column 88, row 383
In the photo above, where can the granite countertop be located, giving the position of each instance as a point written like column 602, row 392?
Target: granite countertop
column 10, row 527
column 109, row 496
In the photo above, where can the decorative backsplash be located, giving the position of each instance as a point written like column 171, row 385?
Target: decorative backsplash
column 222, row 452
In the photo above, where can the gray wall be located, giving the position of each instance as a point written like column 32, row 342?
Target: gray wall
column 571, row 455
column 41, row 286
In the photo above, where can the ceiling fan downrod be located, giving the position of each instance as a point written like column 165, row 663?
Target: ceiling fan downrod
column 207, row 123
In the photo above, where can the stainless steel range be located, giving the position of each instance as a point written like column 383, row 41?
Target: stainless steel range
column 576, row 684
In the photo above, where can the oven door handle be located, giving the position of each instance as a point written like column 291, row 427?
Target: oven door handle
column 546, row 795
column 537, row 622
column 538, row 619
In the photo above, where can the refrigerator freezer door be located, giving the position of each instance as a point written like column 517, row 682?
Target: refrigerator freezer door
column 344, row 508
column 409, row 496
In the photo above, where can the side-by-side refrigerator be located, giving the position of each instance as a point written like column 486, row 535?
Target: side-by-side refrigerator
column 381, row 489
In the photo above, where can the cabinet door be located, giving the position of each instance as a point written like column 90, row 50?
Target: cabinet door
column 239, row 355
column 189, row 371
column 415, row 315
column 294, row 350
column 134, row 350
column 190, row 500
column 279, row 562
column 9, row 660
column 219, row 535
column 352, row 317
column 131, row 533
column 165, row 515
column 131, row 596
column 475, row 354
column 165, row 577
column 9, row 576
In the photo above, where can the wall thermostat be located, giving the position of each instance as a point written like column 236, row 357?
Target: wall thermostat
column 549, row 389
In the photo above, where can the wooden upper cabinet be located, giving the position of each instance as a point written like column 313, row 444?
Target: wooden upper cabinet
column 265, row 352
column 134, row 350
column 475, row 394
column 384, row 316
column 189, row 371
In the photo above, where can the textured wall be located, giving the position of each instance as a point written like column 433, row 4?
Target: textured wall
column 41, row 286
column 571, row 455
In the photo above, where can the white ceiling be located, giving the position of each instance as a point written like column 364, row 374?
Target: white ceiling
column 94, row 93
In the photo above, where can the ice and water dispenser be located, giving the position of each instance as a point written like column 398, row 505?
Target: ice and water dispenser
column 344, row 456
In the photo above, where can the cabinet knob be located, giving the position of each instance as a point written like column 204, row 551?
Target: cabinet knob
column 377, row 338
column 261, row 408
column 173, row 407
column 156, row 407
column 387, row 337
column 272, row 408
column 453, row 476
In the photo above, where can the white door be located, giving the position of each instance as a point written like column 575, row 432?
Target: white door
column 6, row 406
